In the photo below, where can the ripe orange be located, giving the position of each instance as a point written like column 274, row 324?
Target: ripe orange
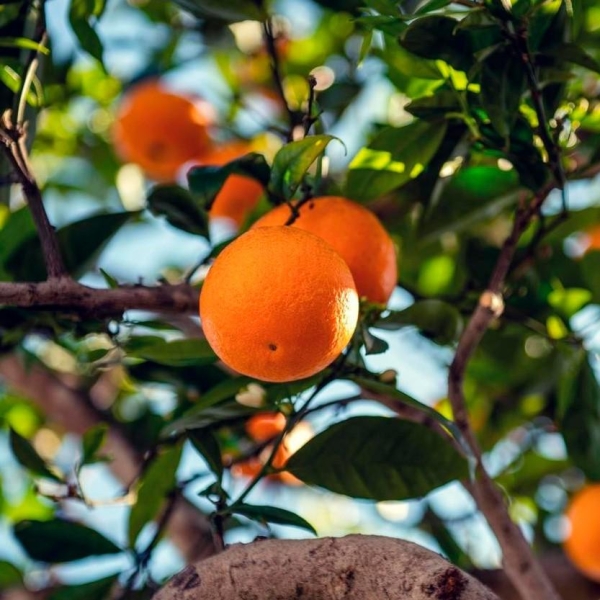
column 240, row 194
column 357, row 235
column 265, row 426
column 582, row 545
column 159, row 130
column 278, row 304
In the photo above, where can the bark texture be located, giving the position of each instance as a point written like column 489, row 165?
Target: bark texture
column 355, row 567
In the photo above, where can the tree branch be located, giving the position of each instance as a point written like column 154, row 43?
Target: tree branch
column 521, row 567
column 68, row 295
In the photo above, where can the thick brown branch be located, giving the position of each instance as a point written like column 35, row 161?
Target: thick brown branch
column 188, row 528
column 68, row 295
column 519, row 562
column 355, row 567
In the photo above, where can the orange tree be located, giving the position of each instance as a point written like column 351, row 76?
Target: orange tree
column 463, row 134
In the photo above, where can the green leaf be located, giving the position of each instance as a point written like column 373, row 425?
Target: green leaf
column 79, row 14
column 18, row 228
column 389, row 391
column 502, row 85
column 10, row 576
column 483, row 192
column 179, row 207
column 373, row 344
column 436, row 37
column 394, row 157
column 80, row 242
column 94, row 590
column 435, row 106
column 272, row 514
column 579, row 413
column 110, row 280
column 378, row 458
column 27, row 456
column 59, row 541
column 210, row 417
column 231, row 10
column 91, row 442
column 207, row 445
column 27, row 44
column 575, row 54
column 178, row 353
column 436, row 320
column 155, row 485
column 205, row 182
column 292, row 161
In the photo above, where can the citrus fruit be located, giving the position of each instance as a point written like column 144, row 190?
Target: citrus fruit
column 278, row 304
column 159, row 130
column 240, row 194
column 582, row 544
column 265, row 426
column 355, row 233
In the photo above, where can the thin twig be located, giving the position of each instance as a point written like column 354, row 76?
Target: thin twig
column 521, row 567
column 271, row 45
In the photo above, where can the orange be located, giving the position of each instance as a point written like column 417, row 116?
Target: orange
column 265, row 426
column 240, row 194
column 278, row 304
column 582, row 545
column 159, row 130
column 356, row 234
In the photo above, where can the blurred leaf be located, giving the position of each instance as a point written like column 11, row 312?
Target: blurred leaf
column 27, row 44
column 10, row 576
column 27, row 456
column 156, row 483
column 394, row 157
column 436, row 37
column 231, row 10
column 569, row 301
column 272, row 514
column 178, row 353
column 483, row 192
column 502, row 85
column 179, row 207
column 80, row 12
column 207, row 445
column 18, row 228
column 110, row 280
column 59, row 541
column 436, row 320
column 579, row 413
column 575, row 54
column 378, row 458
column 435, row 106
column 205, row 182
column 91, row 442
column 80, row 243
column 292, row 161
column 94, row 590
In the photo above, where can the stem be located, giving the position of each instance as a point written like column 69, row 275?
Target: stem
column 521, row 567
